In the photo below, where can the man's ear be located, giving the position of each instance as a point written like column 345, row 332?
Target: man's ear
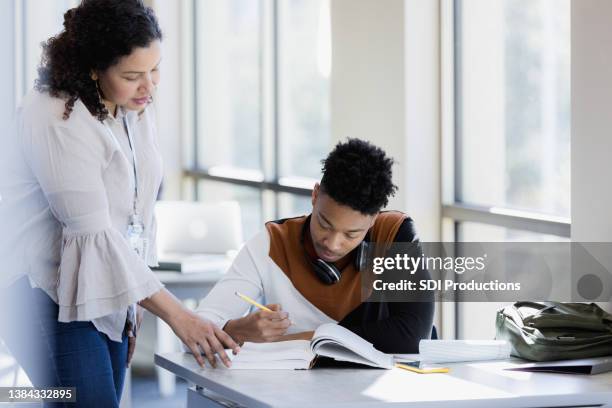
column 315, row 193
column 374, row 219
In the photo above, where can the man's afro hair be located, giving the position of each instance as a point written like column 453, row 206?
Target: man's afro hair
column 358, row 174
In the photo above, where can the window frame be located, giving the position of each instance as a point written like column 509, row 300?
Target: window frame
column 269, row 183
column 454, row 210
column 453, row 206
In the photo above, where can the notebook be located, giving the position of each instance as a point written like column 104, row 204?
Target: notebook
column 329, row 340
column 578, row 366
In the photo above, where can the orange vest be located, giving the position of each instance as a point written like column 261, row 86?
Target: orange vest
column 287, row 252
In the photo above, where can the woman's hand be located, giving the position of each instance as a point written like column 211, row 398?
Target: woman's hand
column 198, row 334
column 132, row 332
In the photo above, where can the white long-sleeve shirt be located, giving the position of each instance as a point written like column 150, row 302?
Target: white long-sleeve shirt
column 67, row 191
column 255, row 274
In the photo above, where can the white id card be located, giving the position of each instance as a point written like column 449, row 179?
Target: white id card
column 136, row 238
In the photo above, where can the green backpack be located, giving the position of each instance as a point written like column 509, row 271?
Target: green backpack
column 543, row 331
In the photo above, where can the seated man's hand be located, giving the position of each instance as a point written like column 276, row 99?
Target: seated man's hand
column 259, row 327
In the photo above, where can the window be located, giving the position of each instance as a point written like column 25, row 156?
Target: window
column 228, row 78
column 261, row 104
column 41, row 21
column 7, row 65
column 513, row 104
column 510, row 137
column 26, row 24
column 305, row 61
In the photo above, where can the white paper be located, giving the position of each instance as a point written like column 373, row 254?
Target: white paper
column 448, row 351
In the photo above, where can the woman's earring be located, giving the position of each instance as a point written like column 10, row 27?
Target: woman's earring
column 94, row 78
column 98, row 90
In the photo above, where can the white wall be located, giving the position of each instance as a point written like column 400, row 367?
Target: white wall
column 368, row 77
column 422, row 137
column 592, row 123
column 591, row 120
column 385, row 89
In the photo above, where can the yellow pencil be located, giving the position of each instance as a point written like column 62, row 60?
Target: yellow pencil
column 254, row 303
column 251, row 301
column 421, row 370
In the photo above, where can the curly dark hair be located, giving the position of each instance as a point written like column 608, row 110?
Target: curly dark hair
column 358, row 174
column 96, row 35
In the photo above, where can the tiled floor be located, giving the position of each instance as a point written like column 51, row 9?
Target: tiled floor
column 145, row 394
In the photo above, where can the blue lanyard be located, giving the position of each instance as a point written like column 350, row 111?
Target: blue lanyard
column 126, row 125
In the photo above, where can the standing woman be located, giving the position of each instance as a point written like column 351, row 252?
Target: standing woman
column 78, row 180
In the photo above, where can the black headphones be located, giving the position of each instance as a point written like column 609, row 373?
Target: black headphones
column 326, row 271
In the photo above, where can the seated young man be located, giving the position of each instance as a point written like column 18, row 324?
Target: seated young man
column 305, row 267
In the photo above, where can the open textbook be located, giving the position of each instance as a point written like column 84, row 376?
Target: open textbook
column 329, row 340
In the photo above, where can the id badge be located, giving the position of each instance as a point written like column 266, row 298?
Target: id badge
column 136, row 238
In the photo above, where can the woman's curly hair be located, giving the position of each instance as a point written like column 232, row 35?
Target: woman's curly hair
column 96, row 35
column 358, row 174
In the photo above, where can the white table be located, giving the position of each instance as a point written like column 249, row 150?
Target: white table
column 481, row 384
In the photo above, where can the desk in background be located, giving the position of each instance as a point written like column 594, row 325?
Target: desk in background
column 478, row 384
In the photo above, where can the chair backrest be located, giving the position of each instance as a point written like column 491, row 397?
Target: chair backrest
column 194, row 227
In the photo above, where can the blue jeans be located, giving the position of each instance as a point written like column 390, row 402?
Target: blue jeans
column 55, row 354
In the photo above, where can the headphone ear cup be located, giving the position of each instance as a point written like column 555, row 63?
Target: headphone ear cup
column 360, row 256
column 326, row 272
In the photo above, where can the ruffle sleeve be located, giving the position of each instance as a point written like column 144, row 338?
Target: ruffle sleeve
column 100, row 274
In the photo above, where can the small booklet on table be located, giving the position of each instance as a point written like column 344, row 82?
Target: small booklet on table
column 579, row 366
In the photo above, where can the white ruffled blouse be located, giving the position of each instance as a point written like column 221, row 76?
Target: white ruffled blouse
column 67, row 190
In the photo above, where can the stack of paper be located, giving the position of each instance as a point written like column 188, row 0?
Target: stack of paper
column 292, row 354
column 448, row 351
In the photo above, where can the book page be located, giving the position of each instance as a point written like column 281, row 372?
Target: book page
column 339, row 343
